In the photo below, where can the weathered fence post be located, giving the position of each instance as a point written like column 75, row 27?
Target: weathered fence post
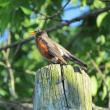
column 50, row 94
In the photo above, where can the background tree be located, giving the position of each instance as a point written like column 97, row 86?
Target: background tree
column 19, row 58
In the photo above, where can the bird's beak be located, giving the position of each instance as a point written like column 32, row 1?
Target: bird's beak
column 32, row 33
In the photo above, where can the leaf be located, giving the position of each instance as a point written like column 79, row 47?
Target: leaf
column 2, row 92
column 94, row 85
column 102, row 56
column 26, row 10
column 105, row 25
column 100, row 18
column 104, row 92
column 108, row 82
column 98, row 4
column 101, row 39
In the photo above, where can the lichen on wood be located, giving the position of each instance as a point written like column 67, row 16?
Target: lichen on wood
column 49, row 91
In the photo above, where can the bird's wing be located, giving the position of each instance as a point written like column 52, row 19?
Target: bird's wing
column 54, row 50
column 67, row 55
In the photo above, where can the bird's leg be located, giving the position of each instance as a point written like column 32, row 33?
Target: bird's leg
column 49, row 62
column 52, row 61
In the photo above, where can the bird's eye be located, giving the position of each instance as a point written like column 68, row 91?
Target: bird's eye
column 39, row 33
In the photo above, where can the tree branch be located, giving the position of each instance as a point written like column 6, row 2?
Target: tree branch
column 10, row 75
column 105, row 0
column 9, row 105
column 58, row 12
column 67, row 23
column 17, row 43
column 14, row 105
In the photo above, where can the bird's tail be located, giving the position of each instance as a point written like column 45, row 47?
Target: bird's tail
column 78, row 61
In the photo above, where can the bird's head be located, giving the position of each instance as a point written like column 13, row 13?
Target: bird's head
column 38, row 32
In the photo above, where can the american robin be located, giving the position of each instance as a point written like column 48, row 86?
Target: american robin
column 53, row 51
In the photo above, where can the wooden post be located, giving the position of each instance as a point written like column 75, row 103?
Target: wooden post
column 50, row 94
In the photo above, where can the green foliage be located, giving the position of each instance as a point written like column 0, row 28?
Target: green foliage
column 90, row 42
column 94, row 84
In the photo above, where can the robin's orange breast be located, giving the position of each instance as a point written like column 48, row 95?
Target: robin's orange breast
column 43, row 48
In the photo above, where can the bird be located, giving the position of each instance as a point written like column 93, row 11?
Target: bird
column 54, row 52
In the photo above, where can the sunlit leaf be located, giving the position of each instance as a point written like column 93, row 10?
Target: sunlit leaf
column 101, row 39
column 94, row 85
column 26, row 10
column 108, row 83
column 104, row 93
column 2, row 92
column 100, row 18
column 98, row 4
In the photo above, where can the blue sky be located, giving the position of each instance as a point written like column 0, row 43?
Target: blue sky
column 4, row 36
column 75, row 11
